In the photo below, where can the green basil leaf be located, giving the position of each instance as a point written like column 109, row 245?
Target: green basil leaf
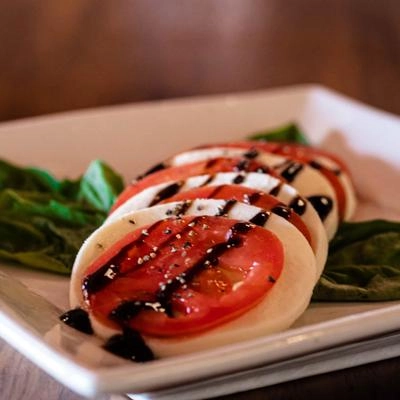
column 363, row 263
column 288, row 133
column 44, row 221
column 100, row 186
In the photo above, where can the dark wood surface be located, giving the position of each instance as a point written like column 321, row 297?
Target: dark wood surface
column 64, row 55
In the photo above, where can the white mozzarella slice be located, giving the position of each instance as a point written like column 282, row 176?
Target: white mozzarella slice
column 284, row 303
column 308, row 181
column 344, row 179
column 253, row 180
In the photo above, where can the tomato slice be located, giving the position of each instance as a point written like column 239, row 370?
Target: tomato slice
column 184, row 275
column 245, row 195
column 303, row 154
column 160, row 174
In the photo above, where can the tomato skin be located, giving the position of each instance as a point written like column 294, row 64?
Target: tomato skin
column 220, row 164
column 228, row 287
column 303, row 154
column 242, row 194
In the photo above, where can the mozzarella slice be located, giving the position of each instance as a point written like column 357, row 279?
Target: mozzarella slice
column 309, row 182
column 344, row 179
column 253, row 180
column 283, row 304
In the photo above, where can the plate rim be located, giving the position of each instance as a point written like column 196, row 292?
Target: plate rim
column 103, row 380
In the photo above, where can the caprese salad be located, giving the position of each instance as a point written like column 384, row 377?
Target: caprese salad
column 212, row 246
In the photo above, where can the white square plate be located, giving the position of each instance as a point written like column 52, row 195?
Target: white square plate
column 328, row 336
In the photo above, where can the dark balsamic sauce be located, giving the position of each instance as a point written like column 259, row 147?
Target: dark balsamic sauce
column 208, row 180
column 127, row 310
column 291, row 171
column 155, row 168
column 282, row 210
column 167, row 192
column 298, row 205
column 99, row 279
column 227, row 207
column 254, row 197
column 275, row 191
column 239, row 179
column 322, row 204
column 252, row 153
column 77, row 319
column 242, row 165
column 260, row 219
column 316, row 165
column 129, row 345
column 181, row 208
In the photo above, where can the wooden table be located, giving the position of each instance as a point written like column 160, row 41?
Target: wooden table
column 58, row 56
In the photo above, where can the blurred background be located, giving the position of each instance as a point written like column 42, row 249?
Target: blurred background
column 66, row 55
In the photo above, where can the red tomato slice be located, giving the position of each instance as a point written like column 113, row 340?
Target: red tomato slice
column 303, row 154
column 182, row 276
column 244, row 195
column 160, row 174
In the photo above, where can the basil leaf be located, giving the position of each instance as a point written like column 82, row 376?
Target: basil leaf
column 363, row 263
column 288, row 133
column 100, row 186
column 44, row 221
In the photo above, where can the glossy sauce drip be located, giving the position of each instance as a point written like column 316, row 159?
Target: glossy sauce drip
column 291, row 171
column 129, row 345
column 129, row 309
column 181, row 208
column 261, row 218
column 168, row 191
column 242, row 165
column 314, row 164
column 101, row 278
column 211, row 258
column 227, row 207
column 208, row 180
column 252, row 153
column 298, row 205
column 239, row 179
column 322, row 204
column 275, row 191
column 156, row 168
column 254, row 197
column 78, row 319
column 282, row 210
column 108, row 272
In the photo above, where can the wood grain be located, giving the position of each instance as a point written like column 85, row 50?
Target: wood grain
column 66, row 55
column 62, row 55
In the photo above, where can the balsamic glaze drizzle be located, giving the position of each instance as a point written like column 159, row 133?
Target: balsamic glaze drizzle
column 78, row 319
column 252, row 153
column 282, row 210
column 275, row 191
column 322, row 204
column 129, row 345
column 239, row 179
column 108, row 272
column 291, row 171
column 261, row 218
column 254, row 197
column 155, row 168
column 242, row 165
column 209, row 259
column 228, row 206
column 298, row 205
column 167, row 192
column 129, row 309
